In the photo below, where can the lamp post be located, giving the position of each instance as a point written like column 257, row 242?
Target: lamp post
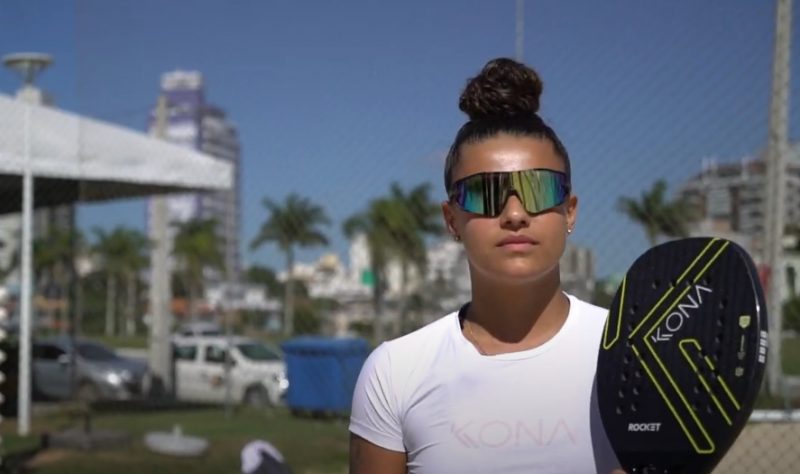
column 27, row 65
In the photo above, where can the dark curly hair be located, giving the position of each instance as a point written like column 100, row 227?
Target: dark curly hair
column 502, row 98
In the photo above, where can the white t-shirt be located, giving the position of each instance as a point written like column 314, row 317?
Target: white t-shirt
column 432, row 395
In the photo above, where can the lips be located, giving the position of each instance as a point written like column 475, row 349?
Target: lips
column 516, row 240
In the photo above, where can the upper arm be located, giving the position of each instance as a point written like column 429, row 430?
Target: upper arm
column 368, row 458
column 375, row 414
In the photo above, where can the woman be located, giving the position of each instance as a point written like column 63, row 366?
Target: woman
column 506, row 384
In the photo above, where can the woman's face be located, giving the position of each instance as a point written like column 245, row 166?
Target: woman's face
column 537, row 241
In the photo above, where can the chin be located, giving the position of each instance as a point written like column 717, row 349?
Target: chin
column 523, row 277
column 518, row 273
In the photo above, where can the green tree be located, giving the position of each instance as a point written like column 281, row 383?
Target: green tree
column 308, row 319
column 136, row 258
column 123, row 253
column 658, row 215
column 395, row 227
column 54, row 266
column 196, row 250
column 791, row 314
column 289, row 225
column 416, row 217
column 265, row 276
column 372, row 223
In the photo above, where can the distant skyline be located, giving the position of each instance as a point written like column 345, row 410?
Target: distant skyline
column 336, row 101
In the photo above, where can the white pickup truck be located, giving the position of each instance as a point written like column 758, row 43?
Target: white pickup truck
column 257, row 371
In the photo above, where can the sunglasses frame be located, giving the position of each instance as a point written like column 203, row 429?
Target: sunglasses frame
column 508, row 189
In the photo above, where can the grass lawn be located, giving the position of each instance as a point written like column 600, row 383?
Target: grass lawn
column 791, row 355
column 128, row 342
column 310, row 445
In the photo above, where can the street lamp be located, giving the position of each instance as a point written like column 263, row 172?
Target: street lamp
column 29, row 66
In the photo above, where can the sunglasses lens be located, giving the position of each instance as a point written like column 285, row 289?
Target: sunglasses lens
column 539, row 190
column 472, row 197
column 486, row 193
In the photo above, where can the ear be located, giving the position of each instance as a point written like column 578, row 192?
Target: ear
column 449, row 218
column 572, row 211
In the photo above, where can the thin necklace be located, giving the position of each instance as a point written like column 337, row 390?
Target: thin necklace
column 474, row 339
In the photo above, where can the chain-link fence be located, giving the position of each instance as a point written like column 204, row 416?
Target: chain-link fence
column 195, row 186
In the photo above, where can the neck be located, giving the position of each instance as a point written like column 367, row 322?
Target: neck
column 509, row 318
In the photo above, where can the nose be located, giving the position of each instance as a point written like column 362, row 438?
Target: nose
column 514, row 215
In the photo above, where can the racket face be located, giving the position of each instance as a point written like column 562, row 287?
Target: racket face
column 682, row 356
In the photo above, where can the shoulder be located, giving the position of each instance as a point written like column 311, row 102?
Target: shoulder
column 587, row 310
column 408, row 351
column 387, row 381
column 434, row 331
column 589, row 318
column 401, row 357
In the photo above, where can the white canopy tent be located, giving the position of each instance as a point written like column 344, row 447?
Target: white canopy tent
column 65, row 158
column 73, row 158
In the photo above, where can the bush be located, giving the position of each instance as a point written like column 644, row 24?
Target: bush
column 791, row 314
column 364, row 329
column 306, row 320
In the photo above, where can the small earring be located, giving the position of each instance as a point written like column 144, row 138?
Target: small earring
column 569, row 231
column 456, row 237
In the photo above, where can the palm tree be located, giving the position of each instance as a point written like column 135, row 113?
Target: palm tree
column 136, row 259
column 123, row 253
column 372, row 224
column 293, row 223
column 657, row 215
column 106, row 249
column 395, row 228
column 264, row 276
column 418, row 216
column 196, row 249
column 53, row 263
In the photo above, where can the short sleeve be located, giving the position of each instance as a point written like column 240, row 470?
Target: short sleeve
column 375, row 415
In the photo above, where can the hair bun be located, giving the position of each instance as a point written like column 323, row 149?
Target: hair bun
column 504, row 88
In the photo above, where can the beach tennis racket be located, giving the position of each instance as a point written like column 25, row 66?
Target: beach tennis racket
column 682, row 356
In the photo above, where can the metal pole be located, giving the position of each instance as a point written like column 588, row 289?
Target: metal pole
column 24, row 394
column 160, row 348
column 520, row 29
column 226, row 308
column 76, row 289
column 777, row 147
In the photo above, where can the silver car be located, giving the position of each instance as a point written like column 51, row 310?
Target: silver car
column 99, row 373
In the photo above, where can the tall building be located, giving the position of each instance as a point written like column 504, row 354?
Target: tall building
column 195, row 123
column 731, row 198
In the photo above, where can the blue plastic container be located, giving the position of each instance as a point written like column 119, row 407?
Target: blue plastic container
column 322, row 372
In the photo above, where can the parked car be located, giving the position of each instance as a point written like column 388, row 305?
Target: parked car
column 257, row 371
column 99, row 372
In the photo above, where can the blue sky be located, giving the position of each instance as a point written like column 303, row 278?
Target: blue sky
column 335, row 100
